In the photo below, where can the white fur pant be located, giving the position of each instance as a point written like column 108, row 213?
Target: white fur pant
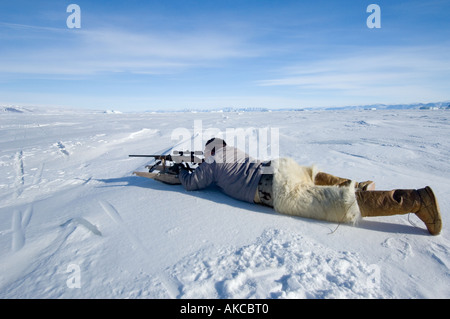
column 294, row 193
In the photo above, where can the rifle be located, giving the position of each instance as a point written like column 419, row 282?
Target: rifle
column 189, row 159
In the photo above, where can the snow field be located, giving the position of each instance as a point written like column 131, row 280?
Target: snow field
column 75, row 222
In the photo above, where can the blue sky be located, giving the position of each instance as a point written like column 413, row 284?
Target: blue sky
column 146, row 55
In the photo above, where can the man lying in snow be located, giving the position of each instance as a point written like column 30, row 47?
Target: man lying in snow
column 303, row 190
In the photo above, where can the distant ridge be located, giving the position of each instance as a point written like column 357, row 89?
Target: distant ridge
column 13, row 109
column 423, row 106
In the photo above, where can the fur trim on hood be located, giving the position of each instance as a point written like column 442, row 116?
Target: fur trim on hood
column 294, row 193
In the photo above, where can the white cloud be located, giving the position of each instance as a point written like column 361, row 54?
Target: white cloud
column 76, row 52
column 388, row 73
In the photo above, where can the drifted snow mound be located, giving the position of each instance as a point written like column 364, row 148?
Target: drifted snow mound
column 112, row 112
column 277, row 265
column 13, row 109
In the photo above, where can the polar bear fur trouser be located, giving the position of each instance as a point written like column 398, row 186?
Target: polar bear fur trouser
column 294, row 193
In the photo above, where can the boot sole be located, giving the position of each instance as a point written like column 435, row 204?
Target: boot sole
column 435, row 227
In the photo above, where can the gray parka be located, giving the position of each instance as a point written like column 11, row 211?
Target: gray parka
column 236, row 173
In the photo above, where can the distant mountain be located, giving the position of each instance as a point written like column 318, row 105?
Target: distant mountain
column 435, row 105
column 423, row 106
column 51, row 110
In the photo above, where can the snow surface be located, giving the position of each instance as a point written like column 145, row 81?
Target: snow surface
column 75, row 222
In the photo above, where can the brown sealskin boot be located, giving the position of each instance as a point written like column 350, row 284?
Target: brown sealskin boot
column 324, row 179
column 422, row 202
column 429, row 211
column 365, row 186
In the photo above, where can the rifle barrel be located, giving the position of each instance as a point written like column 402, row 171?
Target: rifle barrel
column 150, row 156
column 177, row 158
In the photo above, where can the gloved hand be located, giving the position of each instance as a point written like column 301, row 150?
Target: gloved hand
column 174, row 169
column 177, row 167
column 185, row 167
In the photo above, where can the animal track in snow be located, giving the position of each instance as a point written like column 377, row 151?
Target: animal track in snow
column 170, row 283
column 85, row 223
column 19, row 224
column 399, row 246
column 62, row 148
column 20, row 176
column 440, row 253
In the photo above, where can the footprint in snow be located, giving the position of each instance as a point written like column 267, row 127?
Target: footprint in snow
column 62, row 148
